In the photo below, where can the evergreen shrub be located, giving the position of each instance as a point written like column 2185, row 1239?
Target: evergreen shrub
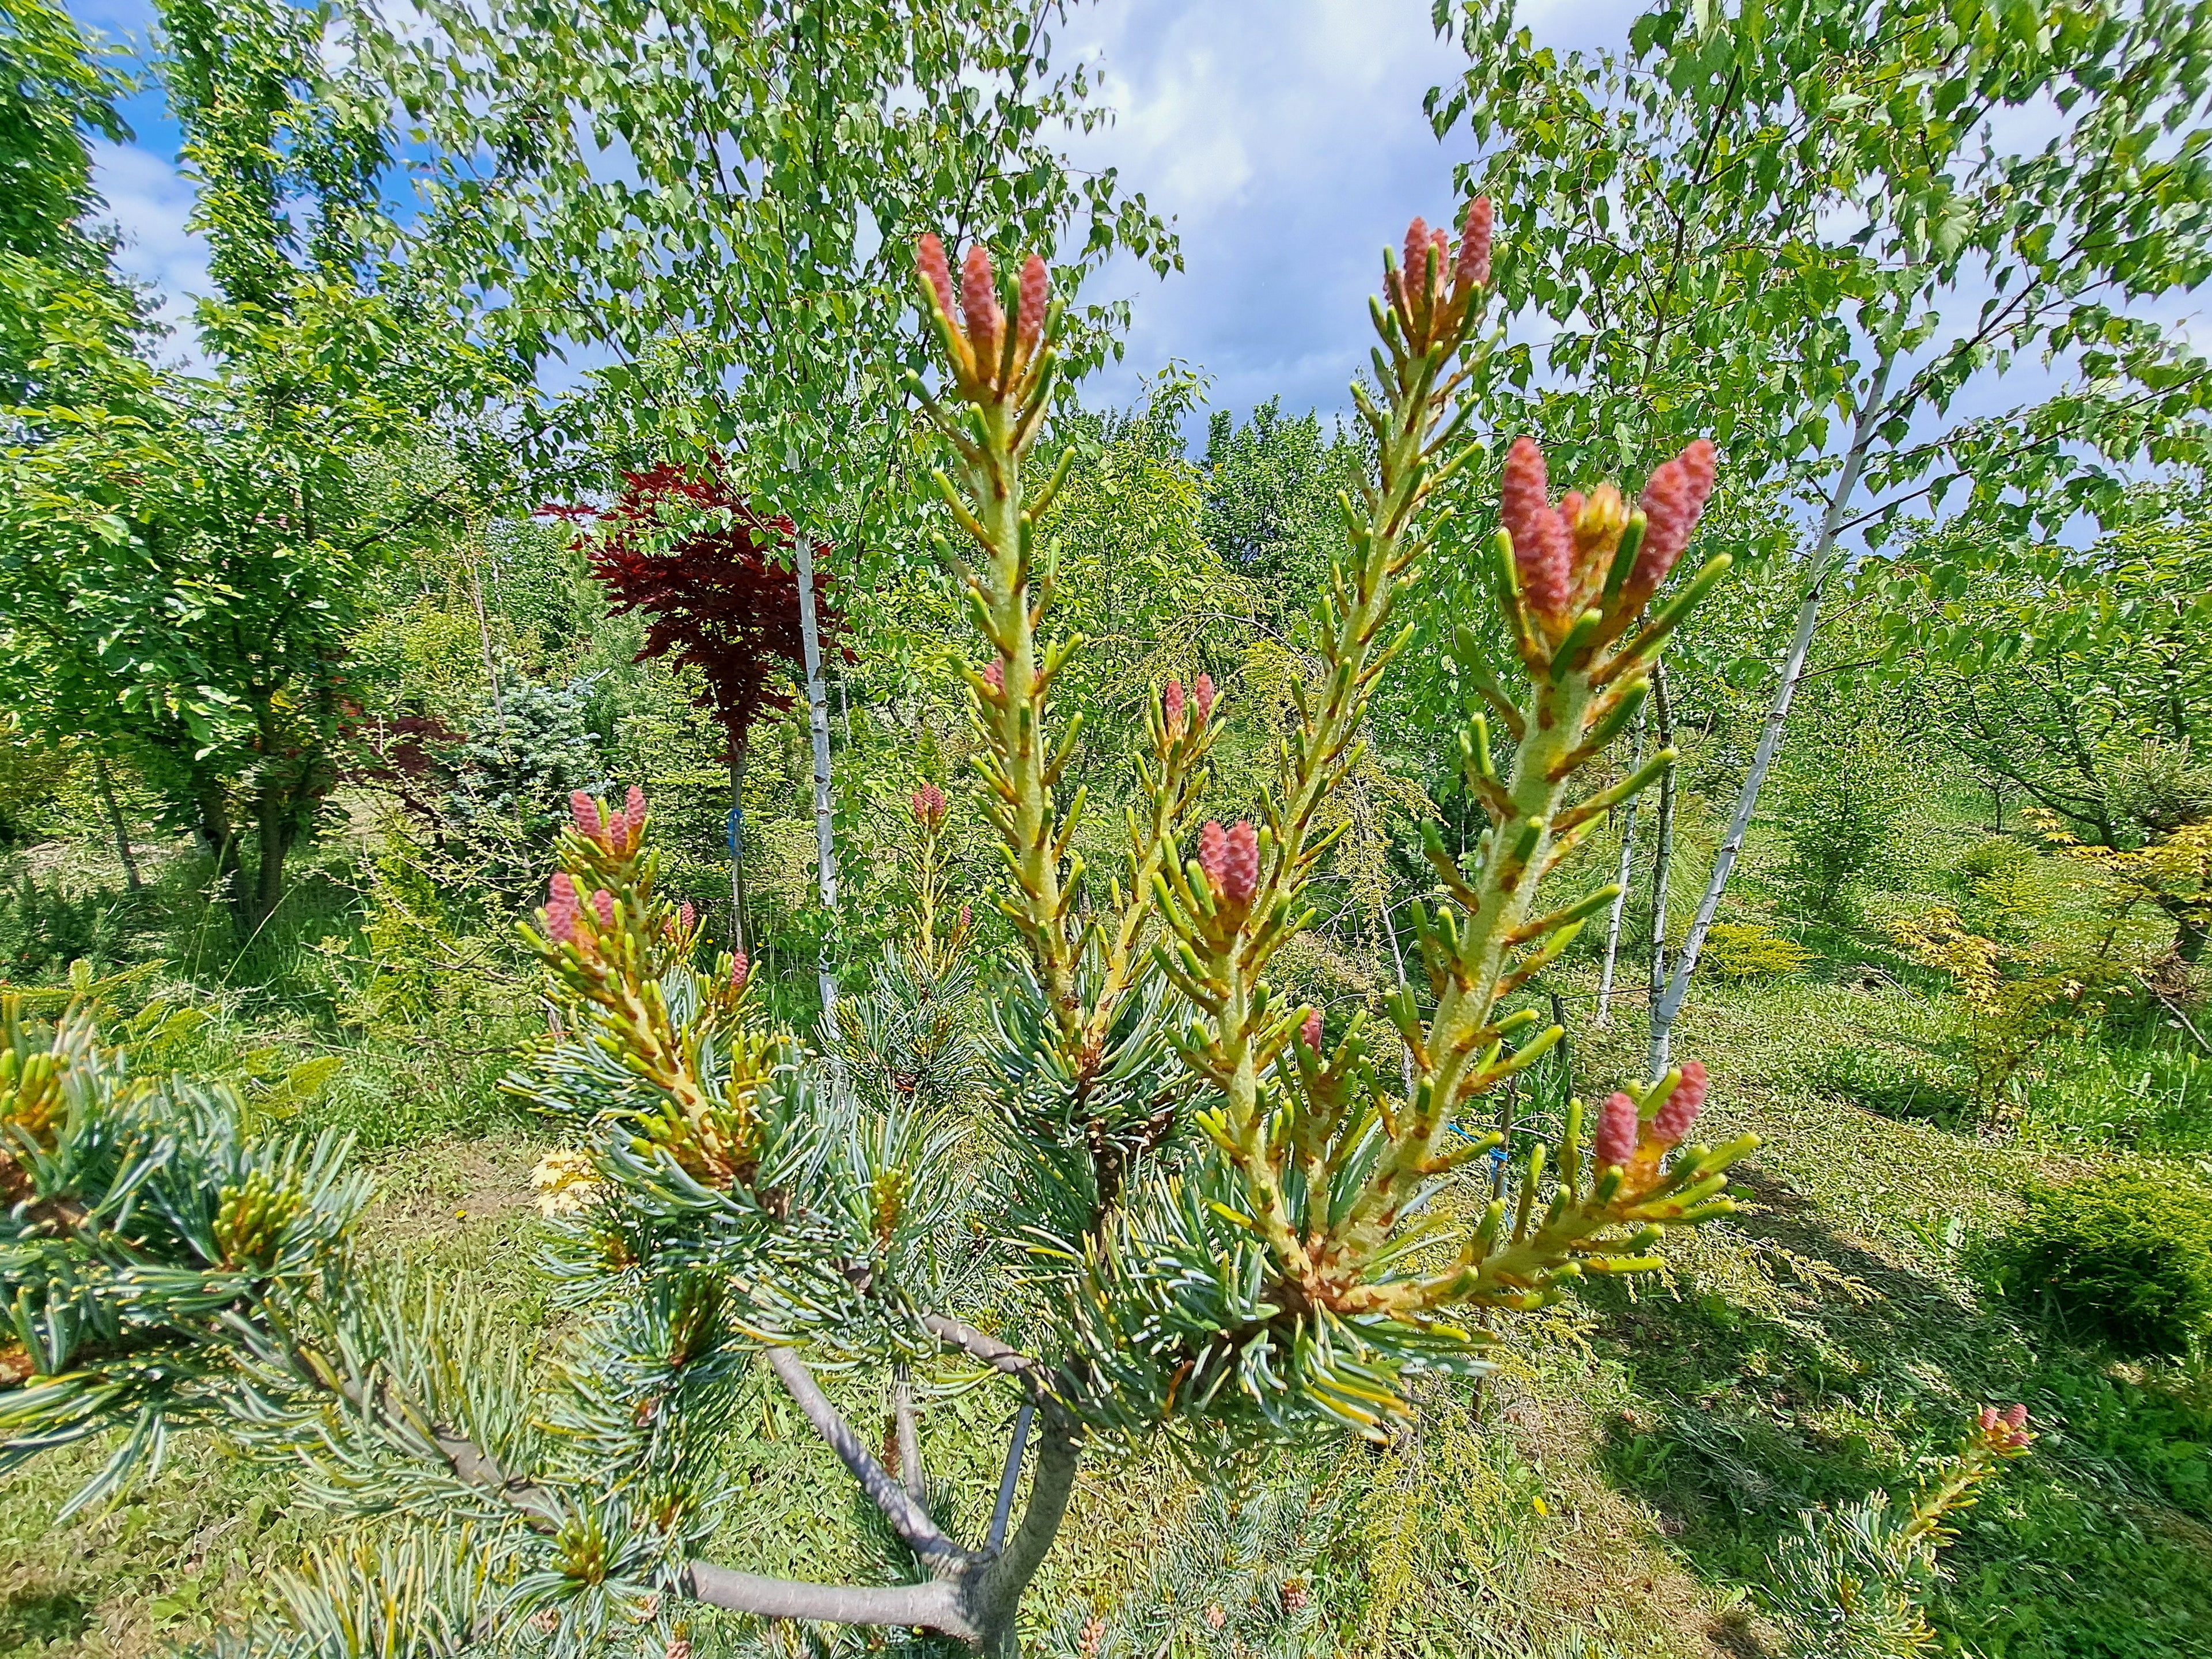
column 2127, row 1259
column 1744, row 949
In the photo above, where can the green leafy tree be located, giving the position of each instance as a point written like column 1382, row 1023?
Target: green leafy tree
column 2080, row 678
column 1191, row 1218
column 189, row 557
column 1145, row 589
column 747, row 272
column 1271, row 487
column 1813, row 225
column 57, row 286
column 1840, row 812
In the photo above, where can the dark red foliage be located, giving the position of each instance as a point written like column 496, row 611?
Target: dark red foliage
column 724, row 599
column 401, row 754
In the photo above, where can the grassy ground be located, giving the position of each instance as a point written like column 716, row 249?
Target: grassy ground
column 1616, row 1489
column 1820, row 1345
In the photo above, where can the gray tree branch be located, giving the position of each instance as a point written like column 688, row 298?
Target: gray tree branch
column 818, row 720
column 1619, row 880
column 979, row 1345
column 935, row 1605
column 909, row 1437
column 907, row 1517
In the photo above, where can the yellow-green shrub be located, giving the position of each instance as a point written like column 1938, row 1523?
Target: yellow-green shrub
column 1744, row 949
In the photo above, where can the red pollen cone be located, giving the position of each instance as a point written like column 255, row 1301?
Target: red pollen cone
column 1673, row 1121
column 1240, row 863
column 1036, row 294
column 1212, row 853
column 586, row 812
column 979, row 306
column 1671, row 502
column 929, row 256
column 1474, row 246
column 561, row 909
column 1543, row 548
column 1416, row 256
column 1616, row 1131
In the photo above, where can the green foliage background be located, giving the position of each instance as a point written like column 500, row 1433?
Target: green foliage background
column 347, row 494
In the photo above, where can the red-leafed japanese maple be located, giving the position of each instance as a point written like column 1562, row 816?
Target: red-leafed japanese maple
column 716, row 581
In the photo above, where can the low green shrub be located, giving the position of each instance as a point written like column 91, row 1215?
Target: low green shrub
column 2002, row 888
column 1744, row 949
column 2124, row 1259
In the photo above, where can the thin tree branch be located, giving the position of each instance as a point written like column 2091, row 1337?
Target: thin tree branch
column 2065, row 435
column 1058, row 1458
column 907, row 1517
column 935, row 1605
column 909, row 1440
column 388, row 1407
column 978, row 1344
column 996, row 1539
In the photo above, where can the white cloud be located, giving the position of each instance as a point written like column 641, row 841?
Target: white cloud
column 147, row 200
column 1287, row 139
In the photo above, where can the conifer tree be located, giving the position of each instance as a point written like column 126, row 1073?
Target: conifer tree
column 1189, row 1214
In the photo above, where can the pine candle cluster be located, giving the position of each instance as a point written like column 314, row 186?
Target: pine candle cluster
column 1282, row 1271
column 1219, row 1225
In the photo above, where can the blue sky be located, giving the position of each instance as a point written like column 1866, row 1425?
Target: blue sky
column 1284, row 137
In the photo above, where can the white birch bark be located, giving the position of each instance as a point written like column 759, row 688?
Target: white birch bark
column 1669, row 1006
column 817, row 720
column 1662, row 865
column 1619, row 880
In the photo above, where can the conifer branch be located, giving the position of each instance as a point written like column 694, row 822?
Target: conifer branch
column 901, row 1507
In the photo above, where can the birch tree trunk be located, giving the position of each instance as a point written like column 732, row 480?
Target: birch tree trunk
column 484, row 635
column 1619, row 880
column 1662, row 865
column 739, row 748
column 817, row 720
column 1669, row 1006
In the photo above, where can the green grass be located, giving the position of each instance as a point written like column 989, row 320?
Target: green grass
column 1614, row 1490
column 1829, row 1341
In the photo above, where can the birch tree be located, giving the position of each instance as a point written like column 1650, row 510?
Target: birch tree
column 1834, row 230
